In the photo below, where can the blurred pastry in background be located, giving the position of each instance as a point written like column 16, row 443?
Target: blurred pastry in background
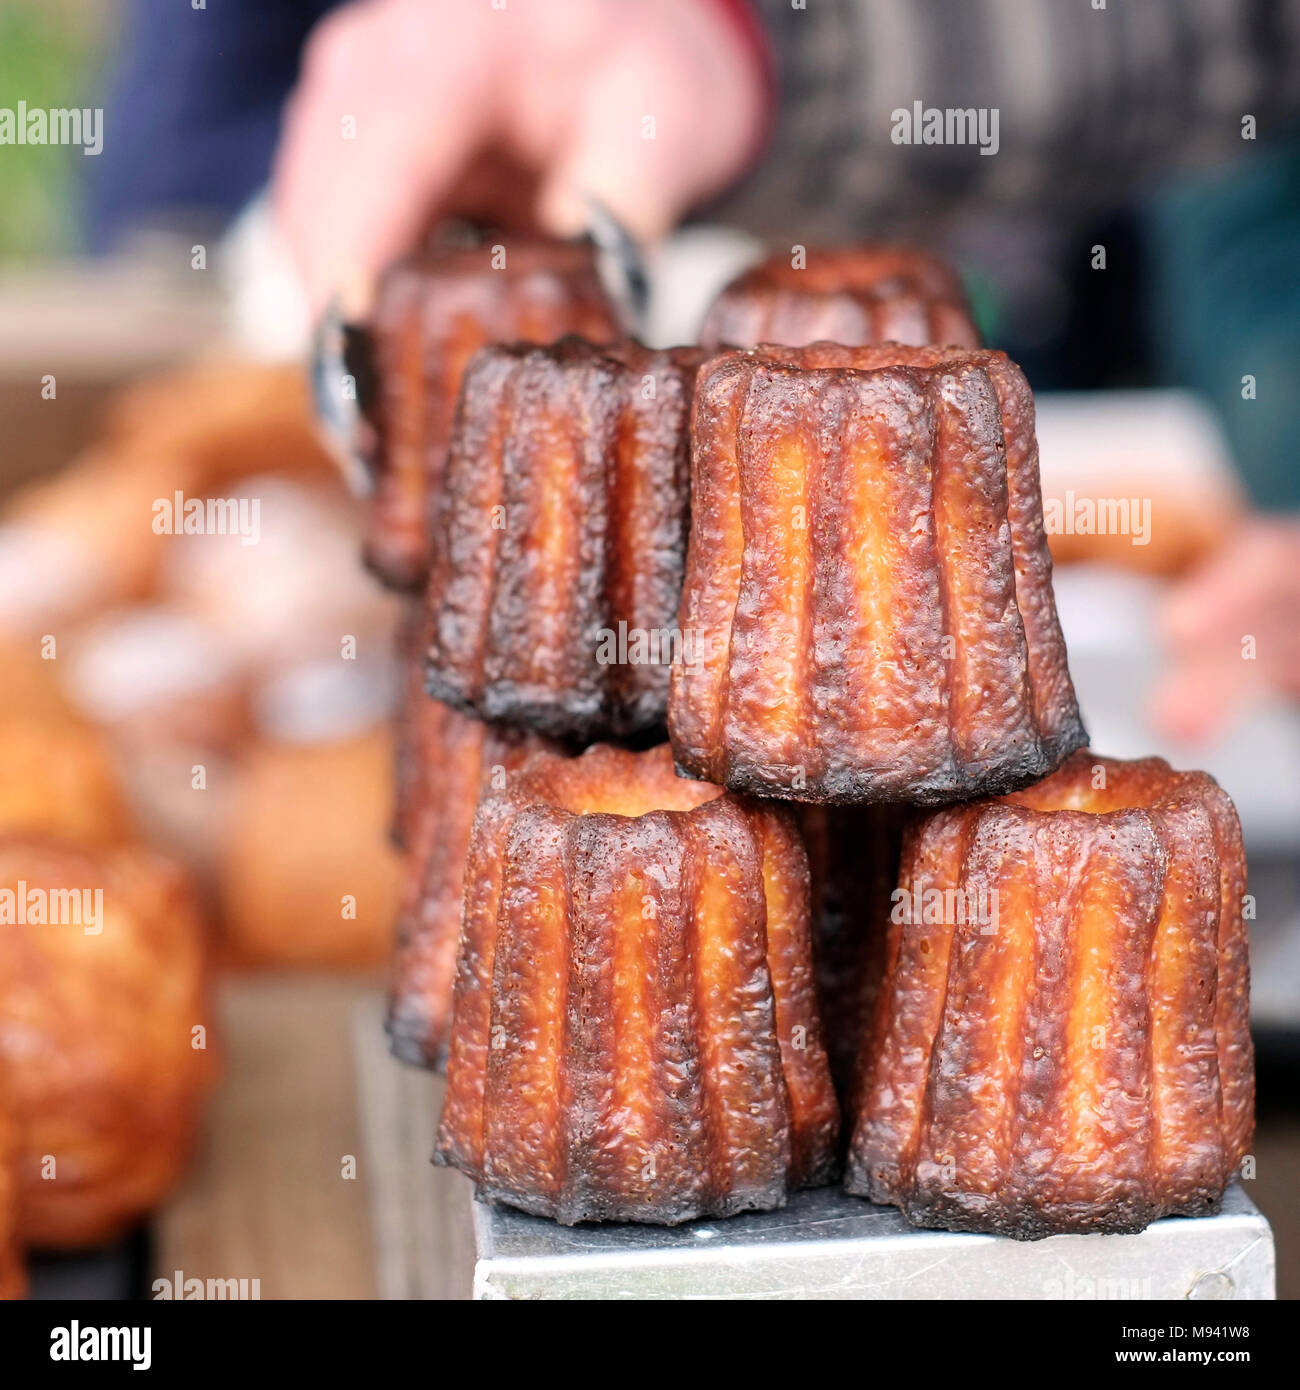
column 307, row 876
column 223, row 421
column 58, row 778
column 155, row 673
column 182, row 654
column 57, row 773
column 169, row 692
column 86, row 537
column 51, row 570
column 105, row 1040
column 1137, row 480
column 13, row 1275
column 293, row 594
column 31, row 685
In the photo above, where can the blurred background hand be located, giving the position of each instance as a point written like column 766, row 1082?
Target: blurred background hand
column 411, row 109
column 1233, row 630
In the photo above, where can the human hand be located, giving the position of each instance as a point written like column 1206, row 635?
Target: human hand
column 407, row 110
column 1233, row 628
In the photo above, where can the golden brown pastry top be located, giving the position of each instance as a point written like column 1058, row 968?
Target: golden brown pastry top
column 865, row 294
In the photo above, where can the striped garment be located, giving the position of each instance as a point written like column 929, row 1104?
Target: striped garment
column 1092, row 104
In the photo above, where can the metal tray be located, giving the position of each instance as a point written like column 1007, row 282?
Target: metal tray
column 828, row 1245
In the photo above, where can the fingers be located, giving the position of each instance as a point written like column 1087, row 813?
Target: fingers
column 1236, row 579
column 610, row 156
column 382, row 122
column 405, row 107
column 1233, row 631
column 1198, row 696
column 667, row 118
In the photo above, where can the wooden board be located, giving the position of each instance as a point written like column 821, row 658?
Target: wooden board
column 308, row 1085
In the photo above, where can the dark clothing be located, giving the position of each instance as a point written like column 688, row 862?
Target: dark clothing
column 1094, row 106
column 192, row 114
column 1222, row 282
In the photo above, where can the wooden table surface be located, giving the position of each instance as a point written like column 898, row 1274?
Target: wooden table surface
column 314, row 1178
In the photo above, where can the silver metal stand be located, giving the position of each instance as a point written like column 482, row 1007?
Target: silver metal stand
column 432, row 1240
column 826, row 1244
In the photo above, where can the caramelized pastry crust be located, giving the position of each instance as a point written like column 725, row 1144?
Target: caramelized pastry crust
column 854, row 295
column 411, row 786
column 853, row 864
column 636, row 1034
column 552, row 603
column 867, row 613
column 1062, row 1040
column 98, row 1011
column 460, row 758
column 432, row 313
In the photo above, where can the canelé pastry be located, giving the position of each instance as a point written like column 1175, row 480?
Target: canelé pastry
column 868, row 589
column 410, row 768
column 105, row 1034
column 76, row 542
column 636, row 1034
column 853, row 865
column 460, row 758
column 432, row 313
column 553, row 598
column 1062, row 1041
column 854, row 295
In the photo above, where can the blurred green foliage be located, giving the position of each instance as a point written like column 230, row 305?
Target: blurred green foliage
column 50, row 56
